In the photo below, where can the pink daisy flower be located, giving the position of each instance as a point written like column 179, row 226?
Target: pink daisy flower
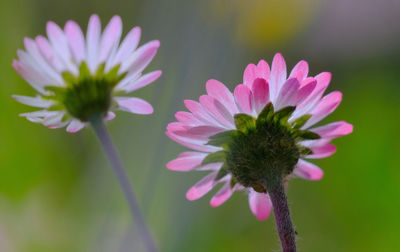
column 265, row 128
column 76, row 75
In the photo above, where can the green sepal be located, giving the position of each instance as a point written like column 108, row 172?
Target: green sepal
column 113, row 73
column 307, row 135
column 65, row 117
column 266, row 114
column 222, row 138
column 215, row 157
column 113, row 77
column 222, row 172
column 69, row 78
column 244, row 122
column 305, row 151
column 284, row 114
column 299, row 122
column 100, row 71
column 233, row 182
column 84, row 71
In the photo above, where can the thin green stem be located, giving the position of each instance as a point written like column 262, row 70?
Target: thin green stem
column 115, row 161
column 284, row 223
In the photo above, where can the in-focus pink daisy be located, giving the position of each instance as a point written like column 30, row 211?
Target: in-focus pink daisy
column 262, row 132
column 77, row 75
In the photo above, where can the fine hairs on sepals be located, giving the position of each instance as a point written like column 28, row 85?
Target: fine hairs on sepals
column 262, row 149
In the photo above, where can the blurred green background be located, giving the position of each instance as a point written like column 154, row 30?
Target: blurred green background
column 57, row 192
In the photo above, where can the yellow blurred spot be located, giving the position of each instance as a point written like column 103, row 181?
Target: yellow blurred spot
column 265, row 23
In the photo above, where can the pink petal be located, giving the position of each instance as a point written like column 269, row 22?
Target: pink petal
column 304, row 92
column 222, row 195
column 323, row 80
column 250, row 73
column 287, row 93
column 186, row 137
column 176, row 126
column 110, row 38
column 37, row 101
column 188, row 154
column 48, row 53
column 260, row 204
column 198, row 110
column 128, row 45
column 202, row 187
column 143, row 81
column 59, row 42
column 57, row 125
column 260, row 94
column 31, row 66
column 134, row 105
column 334, row 130
column 183, row 132
column 243, row 98
column 205, row 130
column 192, row 144
column 141, row 58
column 35, row 80
column 39, row 116
column 76, row 41
column 187, row 162
column 57, row 39
column 190, row 138
column 309, row 103
column 220, row 92
column 187, row 118
column 215, row 108
column 315, row 143
column 210, row 167
column 40, row 62
column 300, row 71
column 75, row 126
column 263, row 70
column 54, row 120
column 308, row 170
column 278, row 75
column 92, row 41
column 322, row 151
column 326, row 106
column 127, row 81
column 307, row 81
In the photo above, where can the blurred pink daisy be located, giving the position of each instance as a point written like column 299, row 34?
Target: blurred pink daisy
column 263, row 130
column 76, row 75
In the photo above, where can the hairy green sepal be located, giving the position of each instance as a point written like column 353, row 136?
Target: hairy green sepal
column 261, row 150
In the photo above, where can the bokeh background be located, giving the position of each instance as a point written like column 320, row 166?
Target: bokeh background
column 57, row 192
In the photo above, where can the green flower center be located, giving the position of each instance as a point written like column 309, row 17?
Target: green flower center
column 86, row 94
column 261, row 151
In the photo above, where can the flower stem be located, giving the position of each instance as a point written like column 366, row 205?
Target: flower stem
column 283, row 220
column 115, row 161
